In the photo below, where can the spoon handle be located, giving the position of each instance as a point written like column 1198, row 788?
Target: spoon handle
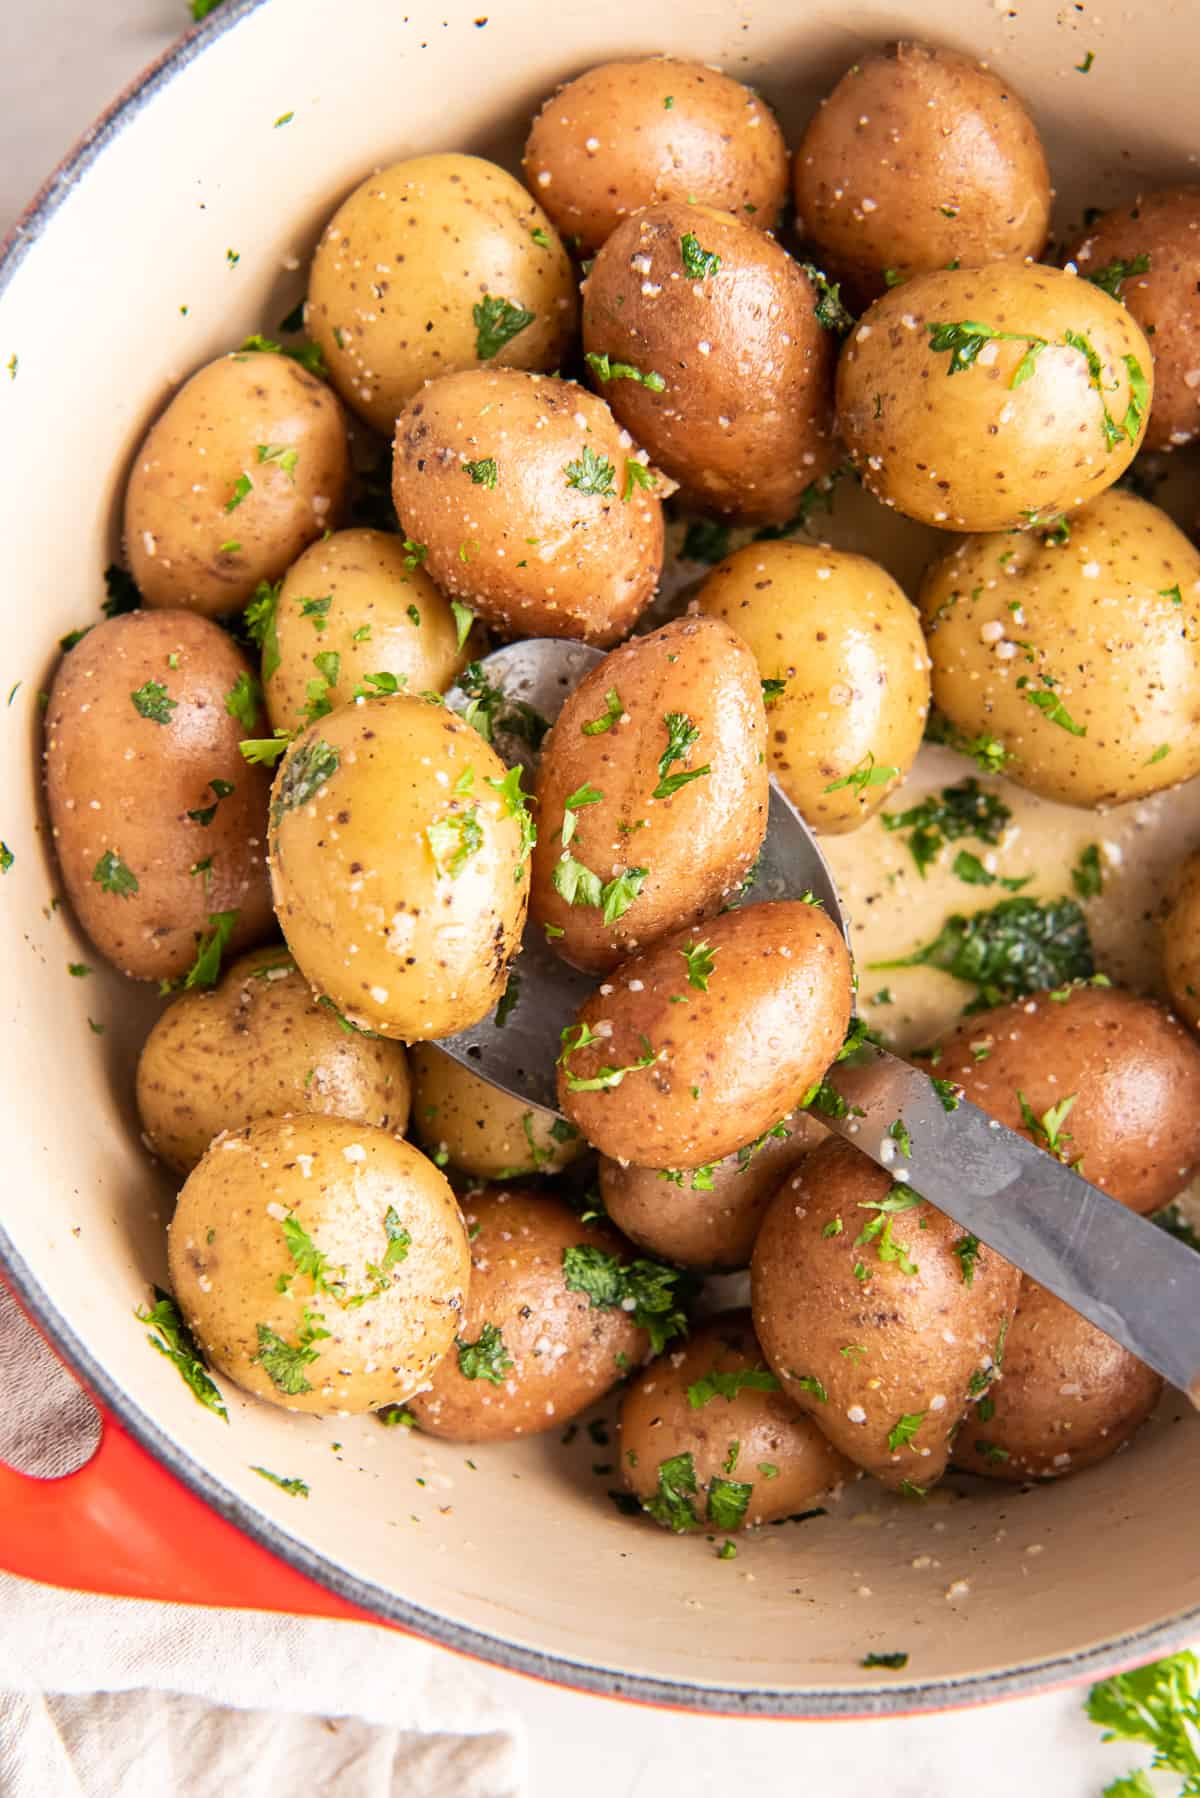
column 1132, row 1280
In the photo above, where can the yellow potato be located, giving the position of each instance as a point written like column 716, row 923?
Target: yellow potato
column 985, row 399
column 1082, row 658
column 1181, row 942
column 255, row 1046
column 431, row 265
column 246, row 466
column 463, row 1120
column 399, row 865
column 845, row 672
column 361, row 603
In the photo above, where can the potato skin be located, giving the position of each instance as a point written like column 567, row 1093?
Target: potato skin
column 370, row 909
column 257, row 1045
column 402, row 264
column 756, row 1428
column 1163, row 300
column 745, row 420
column 1134, row 1071
column 1098, row 618
column 608, row 143
column 368, row 582
column 695, row 845
column 339, row 1180
column 532, row 554
column 968, row 451
column 464, row 1120
column 1069, row 1396
column 732, row 1060
column 563, row 1349
column 909, row 135
column 1181, row 942
column 924, row 1333
column 123, row 784
column 710, row 1226
column 849, row 645
column 192, row 538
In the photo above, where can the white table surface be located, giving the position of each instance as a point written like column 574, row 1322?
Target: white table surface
column 61, row 61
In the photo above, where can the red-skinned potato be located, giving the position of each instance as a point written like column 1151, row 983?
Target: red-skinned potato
column 663, row 1072
column 627, row 134
column 145, row 781
column 1130, row 1071
column 1067, row 1397
column 878, row 1340
column 705, row 338
column 716, row 1403
column 247, row 465
column 530, row 504
column 663, row 792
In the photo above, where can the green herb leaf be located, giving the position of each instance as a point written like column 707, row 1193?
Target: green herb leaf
column 647, row 1289
column 1052, row 707
column 454, row 839
column 865, row 775
column 497, row 322
column 306, row 771
column 605, row 369
column 1015, row 948
column 1087, row 876
column 284, row 1362
column 986, row 751
column 295, row 1487
column 1110, row 277
column 699, row 958
column 904, row 1429
column 241, row 487
column 262, row 751
column 279, row 453
column 398, row 1239
column 484, row 473
column 112, row 876
column 727, row 1385
column 681, row 735
column 637, row 478
column 605, row 1078
column 172, row 1338
column 243, row 700
column 591, row 474
column 464, row 618
column 829, row 311
column 698, row 264
column 808, row 1382
column 613, row 711
column 261, row 626
column 484, row 1359
column 671, row 1505
column 894, row 1661
column 964, row 810
column 153, row 702
column 206, row 968
column 727, row 1502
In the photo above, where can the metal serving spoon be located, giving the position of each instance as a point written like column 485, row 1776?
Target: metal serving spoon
column 1131, row 1279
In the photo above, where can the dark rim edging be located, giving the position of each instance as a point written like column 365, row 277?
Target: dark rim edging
column 795, row 1702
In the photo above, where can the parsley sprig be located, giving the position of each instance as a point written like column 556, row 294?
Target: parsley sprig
column 1010, row 950
column 651, row 1292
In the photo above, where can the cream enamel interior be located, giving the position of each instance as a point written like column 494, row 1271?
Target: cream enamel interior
column 128, row 288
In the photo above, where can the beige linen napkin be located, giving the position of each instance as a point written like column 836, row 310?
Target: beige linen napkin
column 119, row 1698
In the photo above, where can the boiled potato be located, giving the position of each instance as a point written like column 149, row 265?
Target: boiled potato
column 246, row 466
column 988, row 399
column 919, row 158
column 1146, row 255
column 880, row 1341
column 321, row 1263
column 1110, row 1081
column 709, row 1442
column 651, row 794
column 628, row 134
column 1082, row 658
column 398, row 863
column 356, row 611
column 684, row 1056
column 706, row 1217
column 530, row 504
column 434, row 264
column 844, row 667
column 256, row 1046
column 1068, row 1396
column 461, row 1119
column 533, row 1349
column 1181, row 942
column 704, row 336
column 159, row 825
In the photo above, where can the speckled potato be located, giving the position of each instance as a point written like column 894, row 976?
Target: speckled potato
column 998, row 432
column 849, row 672
column 544, row 1352
column 434, row 264
column 466, row 1122
column 398, row 864
column 1130, row 1070
column 371, row 1324
column 145, row 784
column 706, row 1217
column 258, row 1045
column 1163, row 228
column 881, row 1358
column 678, row 1085
column 246, row 466
column 1181, row 942
column 1069, row 1396
column 920, row 157
column 680, row 821
column 358, row 601
column 628, row 134
column 1081, row 658
column 519, row 488
column 753, row 1438
column 741, row 413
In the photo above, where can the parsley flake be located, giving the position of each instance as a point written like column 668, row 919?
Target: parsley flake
column 497, row 322
column 591, row 474
column 170, row 1335
column 153, row 701
column 484, row 1359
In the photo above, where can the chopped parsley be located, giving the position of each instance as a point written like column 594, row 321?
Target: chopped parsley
column 243, row 700
column 263, row 751
column 1047, row 1131
column 516, row 805
column 279, row 453
column 591, row 474
column 308, row 355
column 612, row 713
column 153, row 701
column 241, row 487
column 453, row 840
column 112, row 876
column 698, row 263
column 204, row 814
column 681, row 735
column 295, row 1487
column 772, row 690
column 964, row 810
column 638, row 478
column 864, row 775
column 648, row 1290
column 484, row 1359
column 987, row 752
column 829, row 310
column 605, row 369
column 808, row 1382
column 497, row 322
column 967, row 1251
column 898, row 1131
column 284, row 1362
column 1158, row 1705
column 317, row 610
column 718, row 1384
column 1110, row 277
column 699, row 958
column 895, row 1661
column 303, row 775
column 261, row 625
column 605, row 1078
column 727, row 1502
column 1087, row 876
column 209, row 950
column 1051, row 707
column 1015, row 948
column 904, row 1429
column 575, row 802
column 169, row 1334
column 879, row 1228
column 464, row 618
column 484, row 473
column 671, row 1505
